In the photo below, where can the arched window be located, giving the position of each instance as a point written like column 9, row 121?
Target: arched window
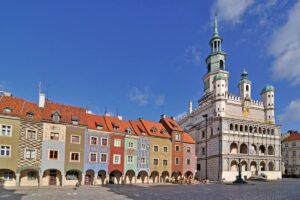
column 270, row 150
column 208, row 68
column 247, row 88
column 221, row 64
column 236, row 127
column 241, row 128
column 233, row 148
column 251, row 129
column 243, row 149
column 231, row 127
column 246, row 128
column 262, row 150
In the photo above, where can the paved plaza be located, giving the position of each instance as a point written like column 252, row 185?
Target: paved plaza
column 285, row 189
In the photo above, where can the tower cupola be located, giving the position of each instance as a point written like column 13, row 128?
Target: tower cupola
column 244, row 86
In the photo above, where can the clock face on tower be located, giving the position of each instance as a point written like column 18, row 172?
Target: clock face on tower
column 246, row 107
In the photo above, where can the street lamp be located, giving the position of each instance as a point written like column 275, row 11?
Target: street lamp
column 205, row 116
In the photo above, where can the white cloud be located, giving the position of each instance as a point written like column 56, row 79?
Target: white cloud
column 291, row 112
column 285, row 48
column 231, row 10
column 144, row 96
column 192, row 54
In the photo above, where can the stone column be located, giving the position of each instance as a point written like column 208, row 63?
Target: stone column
column 63, row 180
column 18, row 179
column 82, row 179
column 40, row 179
column 94, row 180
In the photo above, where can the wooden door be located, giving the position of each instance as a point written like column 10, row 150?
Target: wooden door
column 88, row 180
column 52, row 180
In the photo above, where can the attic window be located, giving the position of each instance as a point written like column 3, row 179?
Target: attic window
column 99, row 126
column 177, row 136
column 143, row 133
column 128, row 131
column 56, row 116
column 115, row 126
column 75, row 120
column 7, row 110
column 163, row 131
column 29, row 115
column 153, row 130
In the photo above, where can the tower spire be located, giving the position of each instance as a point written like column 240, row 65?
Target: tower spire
column 216, row 33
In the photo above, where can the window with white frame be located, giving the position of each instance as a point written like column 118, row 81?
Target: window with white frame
column 143, row 160
column 5, row 150
column 155, row 148
column 93, row 140
column 31, row 176
column 75, row 139
column 103, row 157
column 188, row 149
column 93, row 157
column 8, row 175
column 104, row 141
column 31, row 134
column 54, row 136
column 74, row 157
column 165, row 149
column 117, row 159
column 177, row 148
column 130, row 145
column 130, row 159
column 143, row 147
column 6, row 130
column 155, row 161
column 165, row 162
column 117, row 142
column 30, row 154
column 177, row 136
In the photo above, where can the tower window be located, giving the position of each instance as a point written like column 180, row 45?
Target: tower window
column 208, row 68
column 247, row 88
column 221, row 64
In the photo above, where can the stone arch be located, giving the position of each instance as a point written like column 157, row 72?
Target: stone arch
column 102, row 176
column 271, row 150
column 129, row 175
column 165, row 176
column 89, row 177
column 244, row 165
column 262, row 166
column 243, row 149
column 233, row 148
column 234, row 166
column 252, row 149
column 8, row 177
column 115, row 177
column 271, row 166
column 188, row 175
column 29, row 177
column 142, row 175
column 154, row 176
column 253, row 168
column 176, row 175
column 52, row 177
column 262, row 150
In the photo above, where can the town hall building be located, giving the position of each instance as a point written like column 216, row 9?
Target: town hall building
column 233, row 130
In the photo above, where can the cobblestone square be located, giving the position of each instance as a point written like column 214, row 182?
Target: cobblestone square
column 284, row 189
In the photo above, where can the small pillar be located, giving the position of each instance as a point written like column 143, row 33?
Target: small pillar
column 82, row 179
column 18, row 179
column 62, row 180
column 40, row 179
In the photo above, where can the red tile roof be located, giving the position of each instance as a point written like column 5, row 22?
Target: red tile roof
column 171, row 124
column 160, row 129
column 188, row 139
column 66, row 112
column 94, row 120
column 292, row 137
column 138, row 127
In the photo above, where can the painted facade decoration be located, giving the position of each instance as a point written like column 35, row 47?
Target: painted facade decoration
column 55, row 144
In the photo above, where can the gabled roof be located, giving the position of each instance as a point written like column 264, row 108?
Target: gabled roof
column 94, row 120
column 188, row 139
column 66, row 112
column 150, row 125
column 138, row 127
column 292, row 137
column 171, row 125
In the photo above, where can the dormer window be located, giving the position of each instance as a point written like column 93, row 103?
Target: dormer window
column 99, row 126
column 7, row 110
column 115, row 126
column 29, row 115
column 75, row 120
column 128, row 131
column 153, row 130
column 143, row 133
column 177, row 136
column 56, row 117
column 163, row 131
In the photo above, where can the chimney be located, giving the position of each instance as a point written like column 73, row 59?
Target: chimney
column 190, row 106
column 120, row 117
column 163, row 116
column 42, row 100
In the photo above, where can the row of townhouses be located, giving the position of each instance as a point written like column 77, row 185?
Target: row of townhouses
column 54, row 144
column 291, row 153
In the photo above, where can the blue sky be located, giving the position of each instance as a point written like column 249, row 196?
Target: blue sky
column 146, row 58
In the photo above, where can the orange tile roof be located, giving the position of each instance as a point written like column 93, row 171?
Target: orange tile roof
column 292, row 137
column 66, row 112
column 171, row 124
column 138, row 127
column 188, row 139
column 149, row 125
column 31, row 108
column 94, row 120
column 123, row 125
